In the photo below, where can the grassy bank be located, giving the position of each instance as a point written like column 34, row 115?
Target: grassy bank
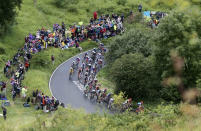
column 105, row 80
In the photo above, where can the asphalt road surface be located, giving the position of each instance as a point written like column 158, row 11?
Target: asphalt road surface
column 70, row 92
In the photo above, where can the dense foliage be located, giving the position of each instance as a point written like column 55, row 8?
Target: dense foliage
column 134, row 74
column 175, row 49
column 7, row 13
column 179, row 32
column 133, row 41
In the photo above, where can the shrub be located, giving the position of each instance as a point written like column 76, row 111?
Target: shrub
column 2, row 51
column 134, row 41
column 134, row 74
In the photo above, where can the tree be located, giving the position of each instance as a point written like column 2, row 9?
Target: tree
column 8, row 13
column 179, row 32
column 133, row 41
column 134, row 74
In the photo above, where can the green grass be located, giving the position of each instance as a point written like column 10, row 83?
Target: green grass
column 105, row 80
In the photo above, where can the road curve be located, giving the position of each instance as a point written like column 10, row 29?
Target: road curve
column 67, row 91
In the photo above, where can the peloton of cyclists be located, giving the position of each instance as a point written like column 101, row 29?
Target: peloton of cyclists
column 92, row 62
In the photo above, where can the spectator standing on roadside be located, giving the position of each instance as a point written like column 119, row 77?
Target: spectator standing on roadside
column 4, row 112
column 52, row 59
column 140, row 8
column 3, row 89
column 122, row 18
column 26, row 65
column 95, row 16
column 24, row 90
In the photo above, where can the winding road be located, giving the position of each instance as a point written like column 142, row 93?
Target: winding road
column 70, row 92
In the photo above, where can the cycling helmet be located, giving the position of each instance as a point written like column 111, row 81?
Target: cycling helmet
column 78, row 59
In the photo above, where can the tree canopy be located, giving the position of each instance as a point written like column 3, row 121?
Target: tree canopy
column 7, row 12
column 134, row 75
column 133, row 41
column 179, row 32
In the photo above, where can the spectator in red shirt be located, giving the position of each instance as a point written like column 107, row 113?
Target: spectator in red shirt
column 95, row 15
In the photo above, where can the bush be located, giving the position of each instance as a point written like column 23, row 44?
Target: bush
column 170, row 94
column 177, row 49
column 2, row 51
column 134, row 74
column 8, row 11
column 134, row 41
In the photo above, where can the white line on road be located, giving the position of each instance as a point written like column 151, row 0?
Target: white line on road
column 79, row 85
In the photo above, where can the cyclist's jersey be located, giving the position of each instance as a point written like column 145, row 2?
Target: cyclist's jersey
column 80, row 70
column 111, row 101
column 71, row 70
column 87, row 87
column 73, row 65
column 83, row 65
column 78, row 60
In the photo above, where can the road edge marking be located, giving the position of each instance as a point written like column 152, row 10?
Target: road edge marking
column 58, row 68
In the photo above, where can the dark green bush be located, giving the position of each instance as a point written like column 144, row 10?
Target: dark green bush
column 134, row 74
column 2, row 51
column 134, row 41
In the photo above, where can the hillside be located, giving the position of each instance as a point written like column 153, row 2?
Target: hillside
column 161, row 115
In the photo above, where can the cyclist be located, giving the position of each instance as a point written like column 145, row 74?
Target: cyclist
column 77, row 62
column 83, row 66
column 86, row 90
column 73, row 65
column 71, row 73
column 111, row 101
column 79, row 73
column 127, row 104
column 94, row 50
column 85, row 81
column 85, row 57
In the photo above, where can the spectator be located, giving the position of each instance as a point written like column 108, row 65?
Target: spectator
column 3, row 89
column 24, row 90
column 95, row 16
column 140, row 8
column 4, row 112
column 52, row 59
column 27, row 65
